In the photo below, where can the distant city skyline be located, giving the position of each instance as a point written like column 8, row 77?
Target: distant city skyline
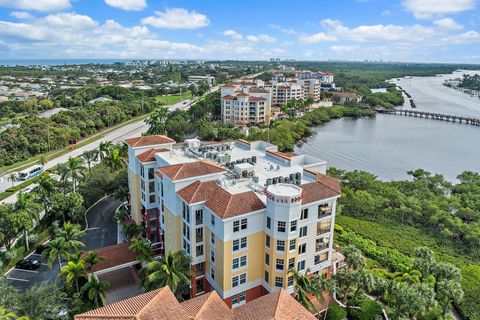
column 397, row 30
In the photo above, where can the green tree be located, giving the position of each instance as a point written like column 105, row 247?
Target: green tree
column 114, row 160
column 43, row 161
column 71, row 233
column 104, row 149
column 67, row 206
column 26, row 206
column 142, row 248
column 95, row 290
column 12, row 177
column 90, row 156
column 76, row 171
column 62, row 171
column 9, row 225
column 306, row 286
column 91, row 259
column 56, row 249
column 45, row 188
column 73, row 272
column 173, row 270
column 157, row 121
column 9, row 315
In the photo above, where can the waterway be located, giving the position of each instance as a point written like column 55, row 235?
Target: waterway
column 391, row 145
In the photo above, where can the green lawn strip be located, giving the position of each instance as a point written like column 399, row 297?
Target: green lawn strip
column 168, row 100
column 405, row 239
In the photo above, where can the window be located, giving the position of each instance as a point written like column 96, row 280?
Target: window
column 239, row 262
column 293, row 244
column 163, row 207
column 239, row 299
column 243, row 224
column 236, row 226
column 151, row 174
column 199, row 216
column 212, row 256
column 266, row 278
column 269, row 223
column 243, row 261
column 291, row 263
column 161, row 189
column 303, row 231
column 200, row 250
column 212, row 238
column 239, row 244
column 290, row 281
column 281, row 226
column 301, row 265
column 212, row 273
column 304, row 214
column 151, row 198
column 267, row 259
column 280, row 245
column 267, row 241
column 235, row 263
column 278, row 282
column 241, row 279
column 302, row 248
column 293, row 226
column 151, row 186
column 212, row 219
column 280, row 264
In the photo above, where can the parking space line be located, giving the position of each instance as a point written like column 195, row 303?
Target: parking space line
column 44, row 264
column 36, row 254
column 16, row 279
column 32, row 271
column 92, row 228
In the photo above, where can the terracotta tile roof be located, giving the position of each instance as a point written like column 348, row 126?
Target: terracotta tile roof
column 148, row 141
column 227, row 205
column 190, row 169
column 159, row 304
column 258, row 90
column 243, row 141
column 229, row 97
column 208, row 306
column 325, row 187
column 278, row 305
column 280, row 154
column 256, row 99
column 242, row 94
column 114, row 255
column 198, row 191
column 149, row 155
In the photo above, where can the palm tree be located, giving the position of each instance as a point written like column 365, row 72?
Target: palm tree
column 76, row 171
column 96, row 289
column 71, row 233
column 12, row 177
column 172, row 271
column 25, row 205
column 45, row 189
column 305, row 286
column 157, row 121
column 92, row 258
column 56, row 249
column 43, row 161
column 354, row 257
column 142, row 249
column 62, row 171
column 114, row 160
column 105, row 148
column 9, row 315
column 90, row 156
column 74, row 272
column 363, row 281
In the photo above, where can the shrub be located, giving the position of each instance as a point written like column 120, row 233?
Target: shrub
column 369, row 310
column 335, row 312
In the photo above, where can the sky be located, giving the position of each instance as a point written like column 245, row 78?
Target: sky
column 388, row 30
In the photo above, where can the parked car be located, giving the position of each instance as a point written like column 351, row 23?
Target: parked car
column 28, row 264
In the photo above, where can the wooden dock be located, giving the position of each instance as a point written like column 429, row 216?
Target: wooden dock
column 432, row 115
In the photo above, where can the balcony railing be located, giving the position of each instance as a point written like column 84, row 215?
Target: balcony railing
column 324, row 212
column 319, row 259
column 323, row 230
column 199, row 272
column 198, row 220
column 198, row 237
column 321, row 246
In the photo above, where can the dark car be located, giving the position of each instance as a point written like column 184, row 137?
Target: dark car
column 28, row 264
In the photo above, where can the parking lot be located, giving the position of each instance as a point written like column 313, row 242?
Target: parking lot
column 101, row 232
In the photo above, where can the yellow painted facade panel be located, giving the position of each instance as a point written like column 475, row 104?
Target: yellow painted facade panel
column 135, row 196
column 172, row 232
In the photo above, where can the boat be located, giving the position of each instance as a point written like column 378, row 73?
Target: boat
column 412, row 104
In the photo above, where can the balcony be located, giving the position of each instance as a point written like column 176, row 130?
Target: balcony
column 324, row 212
column 320, row 246
column 320, row 259
column 199, row 251
column 322, row 230
column 199, row 235
column 198, row 220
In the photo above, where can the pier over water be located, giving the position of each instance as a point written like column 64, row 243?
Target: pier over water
column 432, row 115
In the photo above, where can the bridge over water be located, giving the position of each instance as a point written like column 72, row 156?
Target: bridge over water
column 432, row 115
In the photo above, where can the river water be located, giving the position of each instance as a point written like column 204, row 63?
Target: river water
column 391, row 145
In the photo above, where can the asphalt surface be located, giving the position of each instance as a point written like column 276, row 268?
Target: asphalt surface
column 101, row 232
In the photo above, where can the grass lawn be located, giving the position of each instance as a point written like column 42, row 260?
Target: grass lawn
column 168, row 100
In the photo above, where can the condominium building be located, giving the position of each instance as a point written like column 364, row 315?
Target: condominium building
column 245, row 212
column 244, row 103
column 282, row 92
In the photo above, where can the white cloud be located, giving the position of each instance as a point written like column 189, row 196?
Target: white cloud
column 70, row 20
column 21, row 15
column 448, row 23
column 425, row 9
column 261, row 37
column 38, row 5
column 128, row 5
column 344, row 48
column 284, row 30
column 317, row 37
column 462, row 38
column 232, row 33
column 177, row 18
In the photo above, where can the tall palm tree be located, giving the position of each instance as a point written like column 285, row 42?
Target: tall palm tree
column 90, row 156
column 305, row 286
column 92, row 258
column 62, row 171
column 76, row 171
column 142, row 249
column 114, row 160
column 43, row 161
column 105, row 148
column 46, row 186
column 71, row 233
column 74, row 272
column 26, row 206
column 12, row 177
column 95, row 290
column 56, row 249
column 169, row 271
column 157, row 121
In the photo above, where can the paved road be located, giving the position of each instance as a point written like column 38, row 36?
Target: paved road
column 101, row 232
